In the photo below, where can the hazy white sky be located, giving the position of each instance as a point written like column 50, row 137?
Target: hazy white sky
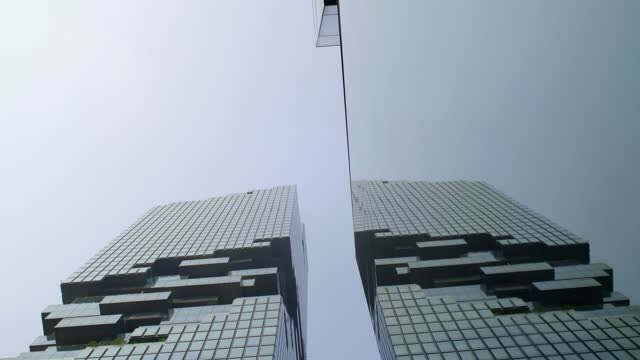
column 108, row 108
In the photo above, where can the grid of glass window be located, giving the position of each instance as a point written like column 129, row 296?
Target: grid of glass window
column 194, row 228
column 247, row 331
column 440, row 284
column 446, row 209
column 440, row 327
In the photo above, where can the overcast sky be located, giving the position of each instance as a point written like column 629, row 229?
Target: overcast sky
column 541, row 99
column 109, row 108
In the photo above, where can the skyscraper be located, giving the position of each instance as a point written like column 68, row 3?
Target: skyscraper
column 457, row 270
column 325, row 18
column 223, row 278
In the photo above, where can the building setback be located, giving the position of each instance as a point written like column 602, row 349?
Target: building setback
column 223, row 278
column 457, row 270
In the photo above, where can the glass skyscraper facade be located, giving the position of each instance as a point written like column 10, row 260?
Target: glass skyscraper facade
column 223, row 278
column 458, row 270
column 325, row 19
